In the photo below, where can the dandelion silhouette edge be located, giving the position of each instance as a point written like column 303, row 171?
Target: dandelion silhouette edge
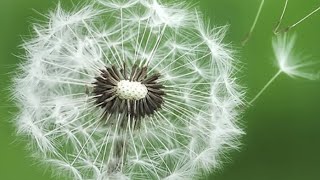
column 128, row 90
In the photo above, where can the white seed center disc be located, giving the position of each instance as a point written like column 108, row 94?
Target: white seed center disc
column 131, row 90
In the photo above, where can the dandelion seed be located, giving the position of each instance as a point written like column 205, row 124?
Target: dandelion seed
column 291, row 63
column 276, row 31
column 248, row 35
column 128, row 90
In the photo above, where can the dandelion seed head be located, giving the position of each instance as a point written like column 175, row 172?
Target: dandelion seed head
column 134, row 89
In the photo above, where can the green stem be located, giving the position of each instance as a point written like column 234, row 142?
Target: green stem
column 266, row 86
column 247, row 37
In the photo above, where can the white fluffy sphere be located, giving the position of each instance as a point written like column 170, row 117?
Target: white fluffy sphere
column 174, row 127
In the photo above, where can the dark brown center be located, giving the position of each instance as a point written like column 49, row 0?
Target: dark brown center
column 111, row 82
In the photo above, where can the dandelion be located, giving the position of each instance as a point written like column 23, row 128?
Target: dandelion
column 289, row 62
column 128, row 90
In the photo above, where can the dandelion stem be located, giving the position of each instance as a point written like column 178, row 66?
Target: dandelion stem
column 275, row 31
column 247, row 37
column 301, row 20
column 266, row 86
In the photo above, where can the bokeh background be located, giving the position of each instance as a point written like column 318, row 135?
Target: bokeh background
column 282, row 140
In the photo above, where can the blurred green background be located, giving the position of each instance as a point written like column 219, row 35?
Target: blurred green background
column 282, row 140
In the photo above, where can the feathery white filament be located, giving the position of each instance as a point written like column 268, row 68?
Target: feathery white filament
column 292, row 63
column 131, row 90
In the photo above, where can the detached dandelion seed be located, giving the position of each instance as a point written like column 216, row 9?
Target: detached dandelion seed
column 249, row 34
column 276, row 29
column 288, row 28
column 291, row 63
column 128, row 90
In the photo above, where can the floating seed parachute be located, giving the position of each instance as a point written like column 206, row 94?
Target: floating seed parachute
column 128, row 90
